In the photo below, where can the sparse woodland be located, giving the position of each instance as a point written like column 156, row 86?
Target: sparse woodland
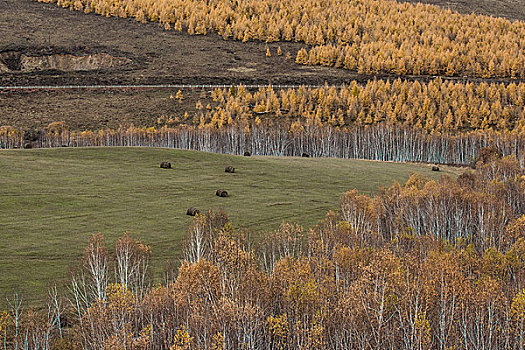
column 423, row 265
column 369, row 36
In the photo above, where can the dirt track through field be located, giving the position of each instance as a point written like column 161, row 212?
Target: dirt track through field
column 223, row 86
column 141, row 87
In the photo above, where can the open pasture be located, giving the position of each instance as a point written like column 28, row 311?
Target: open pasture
column 53, row 199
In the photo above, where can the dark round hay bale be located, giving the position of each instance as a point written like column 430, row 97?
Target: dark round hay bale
column 28, row 145
column 192, row 211
column 247, row 154
column 165, row 165
column 221, row 193
column 229, row 169
column 435, row 168
column 306, row 155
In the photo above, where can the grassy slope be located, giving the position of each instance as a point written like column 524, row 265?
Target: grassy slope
column 52, row 200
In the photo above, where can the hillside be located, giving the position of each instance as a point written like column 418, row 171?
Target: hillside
column 52, row 200
column 511, row 9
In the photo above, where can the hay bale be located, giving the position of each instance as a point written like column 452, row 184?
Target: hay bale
column 165, row 165
column 229, row 169
column 247, row 154
column 192, row 211
column 306, row 155
column 221, row 193
column 435, row 168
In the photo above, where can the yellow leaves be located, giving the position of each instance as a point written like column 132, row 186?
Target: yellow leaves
column 299, row 285
column 179, row 96
column 77, row 5
column 218, row 342
column 10, row 132
column 303, row 293
column 296, row 127
column 316, row 337
column 199, row 280
column 143, row 341
column 518, row 306
column 57, row 128
column 140, row 17
column 177, row 26
column 358, row 210
column 120, row 298
column 260, row 108
column 279, row 327
column 146, row 331
column 182, row 340
column 448, row 123
column 493, row 263
column 416, row 181
column 423, row 330
column 302, row 57
column 4, row 320
column 347, row 260
column 234, row 260
column 516, row 229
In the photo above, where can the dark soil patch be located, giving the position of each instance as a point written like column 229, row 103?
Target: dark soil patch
column 158, row 56
column 511, row 9
column 91, row 109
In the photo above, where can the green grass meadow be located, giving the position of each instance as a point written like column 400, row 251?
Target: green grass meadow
column 52, row 200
